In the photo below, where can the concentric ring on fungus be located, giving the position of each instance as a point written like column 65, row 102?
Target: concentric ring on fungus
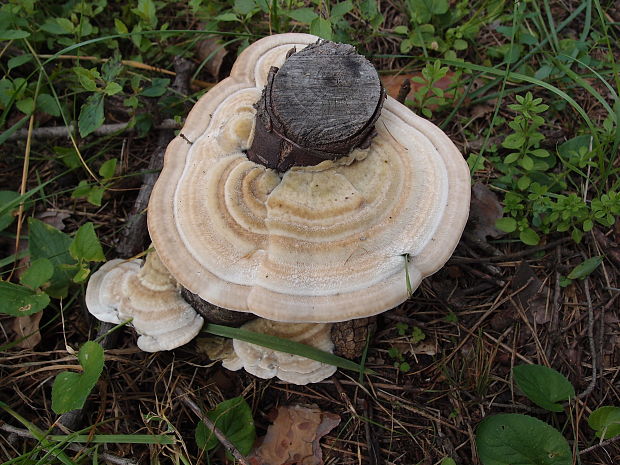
column 323, row 243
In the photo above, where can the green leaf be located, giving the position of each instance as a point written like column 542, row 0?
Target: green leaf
column 25, row 105
column 424, row 10
column 87, row 77
column 448, row 461
column 544, row 386
column 13, row 34
column 146, row 12
column 57, row 26
column 70, row 390
column 120, row 26
column 341, row 9
column 234, row 418
column 157, row 89
column 322, row 28
column 227, row 17
column 244, row 7
column 106, row 171
column 112, row 88
column 529, row 236
column 401, row 30
column 605, row 421
column 38, row 273
column 82, row 274
column 285, row 345
column 510, row 439
column 86, row 245
column 45, row 241
column 7, row 217
column 303, row 15
column 18, row 300
column 586, row 267
column 48, row 104
column 506, row 224
column 19, row 60
column 91, row 115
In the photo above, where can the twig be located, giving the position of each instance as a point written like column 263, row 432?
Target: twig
column 133, row 64
column 600, row 444
column 590, row 387
column 74, row 447
column 66, row 131
column 512, row 256
column 374, row 454
column 229, row 446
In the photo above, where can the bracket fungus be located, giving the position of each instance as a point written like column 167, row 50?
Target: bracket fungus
column 267, row 363
column 146, row 293
column 346, row 238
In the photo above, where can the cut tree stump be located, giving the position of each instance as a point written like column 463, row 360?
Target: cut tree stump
column 320, row 105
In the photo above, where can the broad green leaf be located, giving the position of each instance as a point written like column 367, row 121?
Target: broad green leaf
column 544, row 386
column 82, row 274
column 19, row 60
column 38, row 273
column 529, row 236
column 45, row 241
column 424, row 10
column 13, row 34
column 25, row 105
column 244, row 7
column 506, row 224
column 341, row 9
column 586, row 267
column 605, row 421
column 448, row 461
column 87, row 77
column 511, row 439
column 70, row 390
column 303, row 15
column 227, row 17
column 120, row 26
column 106, row 171
column 234, row 418
column 7, row 218
column 57, row 26
column 285, row 345
column 157, row 89
column 572, row 146
column 322, row 28
column 48, row 104
column 86, row 245
column 112, row 88
column 91, row 115
column 146, row 12
column 18, row 300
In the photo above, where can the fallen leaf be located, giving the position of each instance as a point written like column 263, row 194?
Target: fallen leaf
column 54, row 218
column 28, row 326
column 294, row 437
column 212, row 51
column 533, row 297
column 485, row 209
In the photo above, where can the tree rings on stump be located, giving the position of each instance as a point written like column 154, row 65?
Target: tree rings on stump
column 320, row 105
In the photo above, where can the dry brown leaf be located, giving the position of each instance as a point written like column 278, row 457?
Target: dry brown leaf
column 484, row 211
column 54, row 218
column 294, row 437
column 28, row 326
column 534, row 296
column 213, row 51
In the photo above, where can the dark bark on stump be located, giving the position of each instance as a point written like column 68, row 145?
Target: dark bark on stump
column 320, row 105
column 214, row 314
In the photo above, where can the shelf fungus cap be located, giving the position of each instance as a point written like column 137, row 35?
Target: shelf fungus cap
column 147, row 293
column 268, row 363
column 340, row 240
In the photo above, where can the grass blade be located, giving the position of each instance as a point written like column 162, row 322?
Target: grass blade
column 284, row 345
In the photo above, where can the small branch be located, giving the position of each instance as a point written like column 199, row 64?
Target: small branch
column 588, row 390
column 66, row 131
column 229, row 446
column 74, row 447
column 600, row 444
column 404, row 90
column 512, row 256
